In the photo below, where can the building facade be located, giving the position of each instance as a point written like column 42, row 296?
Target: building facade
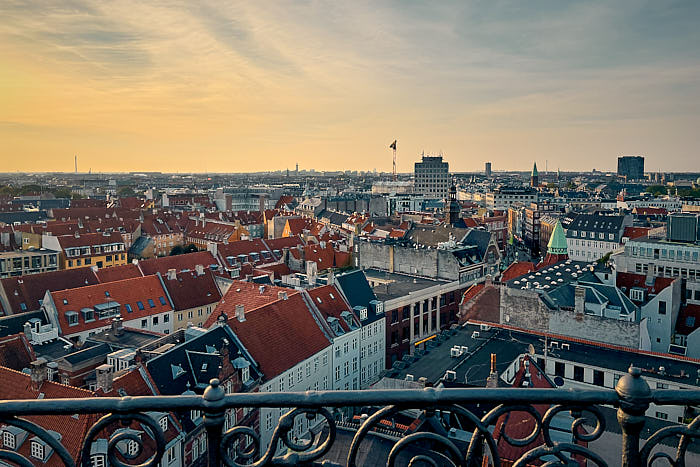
column 432, row 177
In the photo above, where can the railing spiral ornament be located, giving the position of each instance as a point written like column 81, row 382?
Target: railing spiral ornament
column 42, row 434
column 442, row 410
column 115, row 450
column 687, row 433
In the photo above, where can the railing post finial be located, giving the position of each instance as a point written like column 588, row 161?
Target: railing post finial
column 634, row 396
column 214, row 414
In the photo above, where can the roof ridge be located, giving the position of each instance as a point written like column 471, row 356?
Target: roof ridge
column 92, row 393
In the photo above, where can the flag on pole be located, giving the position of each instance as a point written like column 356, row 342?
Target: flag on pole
column 393, row 145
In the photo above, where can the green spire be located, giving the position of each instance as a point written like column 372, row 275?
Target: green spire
column 534, row 170
column 557, row 242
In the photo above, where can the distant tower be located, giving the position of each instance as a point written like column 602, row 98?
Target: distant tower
column 76, row 164
column 297, row 170
column 534, row 177
column 452, row 208
column 393, row 149
column 487, row 169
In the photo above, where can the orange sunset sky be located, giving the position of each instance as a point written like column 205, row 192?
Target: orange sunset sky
column 249, row 86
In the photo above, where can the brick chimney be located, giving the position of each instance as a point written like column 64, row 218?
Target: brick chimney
column 38, row 373
column 172, row 275
column 200, row 269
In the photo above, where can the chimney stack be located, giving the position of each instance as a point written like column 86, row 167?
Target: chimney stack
column 580, row 300
column 117, row 328
column 105, row 377
column 282, row 295
column 240, row 313
column 171, row 274
column 38, row 373
column 200, row 269
column 492, row 380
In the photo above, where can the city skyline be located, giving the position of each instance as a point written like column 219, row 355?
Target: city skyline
column 244, row 88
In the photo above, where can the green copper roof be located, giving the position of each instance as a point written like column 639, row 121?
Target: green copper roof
column 534, row 170
column 557, row 242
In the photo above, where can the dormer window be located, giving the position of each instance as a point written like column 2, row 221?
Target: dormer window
column 245, row 374
column 37, row 450
column 106, row 293
column 72, row 318
column 8, row 440
column 163, row 422
column 195, row 414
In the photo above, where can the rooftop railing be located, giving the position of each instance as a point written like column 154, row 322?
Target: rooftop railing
column 241, row 445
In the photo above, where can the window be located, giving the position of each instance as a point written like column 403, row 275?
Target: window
column 578, row 373
column 662, row 416
column 166, row 318
column 151, row 303
column 162, row 300
column 598, row 378
column 8, row 440
column 559, row 369
column 155, row 320
column 140, row 305
column 97, row 460
column 163, row 422
column 662, row 307
column 144, row 323
column 128, row 308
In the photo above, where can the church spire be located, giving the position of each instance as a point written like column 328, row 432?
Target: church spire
column 534, row 177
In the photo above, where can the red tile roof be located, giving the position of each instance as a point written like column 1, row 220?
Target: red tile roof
column 117, row 273
column 630, row 280
column 636, row 232
column 688, row 319
column 247, row 294
column 331, row 303
column 16, row 352
column 190, row 290
column 89, row 239
column 277, row 269
column 16, row 385
column 177, row 262
column 274, row 332
column 517, row 269
column 31, row 288
column 127, row 291
column 650, row 211
column 471, row 292
column 285, row 242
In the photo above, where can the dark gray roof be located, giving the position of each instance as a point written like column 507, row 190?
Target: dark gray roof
column 357, row 292
column 508, row 344
column 96, row 351
column 180, row 368
column 596, row 223
column 14, row 324
column 399, row 285
column 479, row 238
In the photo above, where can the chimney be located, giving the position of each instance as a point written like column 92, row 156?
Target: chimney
column 282, row 295
column 38, row 373
column 172, row 275
column 492, row 380
column 200, row 269
column 77, row 234
column 117, row 329
column 105, row 377
column 94, row 268
column 261, row 289
column 489, row 280
column 240, row 313
column 580, row 300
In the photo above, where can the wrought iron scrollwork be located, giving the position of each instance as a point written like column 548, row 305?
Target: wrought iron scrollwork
column 306, row 449
column 115, row 450
column 42, row 434
column 687, row 433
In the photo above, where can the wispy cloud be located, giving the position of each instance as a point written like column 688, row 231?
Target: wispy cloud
column 306, row 79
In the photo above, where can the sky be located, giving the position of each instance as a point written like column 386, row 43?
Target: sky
column 251, row 86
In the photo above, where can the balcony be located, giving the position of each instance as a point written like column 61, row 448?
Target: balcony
column 631, row 399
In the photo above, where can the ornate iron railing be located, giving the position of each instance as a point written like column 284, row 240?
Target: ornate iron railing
column 631, row 397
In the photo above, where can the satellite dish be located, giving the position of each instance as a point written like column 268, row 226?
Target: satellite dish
column 559, row 381
column 531, row 349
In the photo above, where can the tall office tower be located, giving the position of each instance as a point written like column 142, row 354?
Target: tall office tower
column 432, row 177
column 487, row 169
column 631, row 167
